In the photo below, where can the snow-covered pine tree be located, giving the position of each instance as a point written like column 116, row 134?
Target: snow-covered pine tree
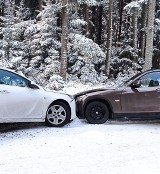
column 38, row 55
column 11, row 31
column 85, row 58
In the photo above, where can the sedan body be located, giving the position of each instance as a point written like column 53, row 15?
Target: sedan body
column 138, row 98
column 24, row 101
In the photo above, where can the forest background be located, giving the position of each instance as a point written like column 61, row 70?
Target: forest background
column 84, row 41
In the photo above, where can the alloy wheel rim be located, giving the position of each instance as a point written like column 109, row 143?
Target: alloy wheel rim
column 56, row 114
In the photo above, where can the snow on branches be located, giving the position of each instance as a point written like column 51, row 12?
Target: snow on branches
column 86, row 59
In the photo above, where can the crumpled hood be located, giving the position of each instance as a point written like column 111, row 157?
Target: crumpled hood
column 54, row 91
column 92, row 90
column 59, row 92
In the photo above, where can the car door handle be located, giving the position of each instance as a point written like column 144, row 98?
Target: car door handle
column 4, row 91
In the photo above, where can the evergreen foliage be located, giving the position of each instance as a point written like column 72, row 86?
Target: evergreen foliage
column 30, row 39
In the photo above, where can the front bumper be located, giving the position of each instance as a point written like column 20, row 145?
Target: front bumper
column 80, row 109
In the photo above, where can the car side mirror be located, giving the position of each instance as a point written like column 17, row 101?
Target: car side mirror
column 33, row 86
column 135, row 84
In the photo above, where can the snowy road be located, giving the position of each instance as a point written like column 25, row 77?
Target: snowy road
column 80, row 148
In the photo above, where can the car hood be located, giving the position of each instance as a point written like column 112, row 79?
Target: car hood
column 59, row 92
column 91, row 91
column 53, row 91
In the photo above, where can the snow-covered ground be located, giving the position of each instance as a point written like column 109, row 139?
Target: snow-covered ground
column 80, row 148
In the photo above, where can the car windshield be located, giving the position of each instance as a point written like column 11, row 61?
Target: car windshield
column 125, row 83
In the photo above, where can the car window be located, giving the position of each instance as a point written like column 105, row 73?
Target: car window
column 129, row 80
column 150, row 79
column 12, row 79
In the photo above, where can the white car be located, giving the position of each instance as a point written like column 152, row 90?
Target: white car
column 23, row 101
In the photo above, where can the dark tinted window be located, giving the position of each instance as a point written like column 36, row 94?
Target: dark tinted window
column 9, row 78
column 150, row 79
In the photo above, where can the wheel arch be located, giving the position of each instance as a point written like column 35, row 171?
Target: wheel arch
column 61, row 100
column 67, row 108
column 106, row 102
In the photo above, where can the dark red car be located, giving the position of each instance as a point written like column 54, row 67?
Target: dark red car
column 137, row 98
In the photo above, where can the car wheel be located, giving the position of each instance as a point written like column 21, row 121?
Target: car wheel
column 58, row 114
column 97, row 112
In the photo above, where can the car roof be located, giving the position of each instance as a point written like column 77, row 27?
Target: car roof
column 152, row 70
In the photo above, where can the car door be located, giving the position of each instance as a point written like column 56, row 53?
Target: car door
column 17, row 100
column 144, row 99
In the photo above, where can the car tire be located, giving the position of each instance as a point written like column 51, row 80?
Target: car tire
column 58, row 114
column 97, row 112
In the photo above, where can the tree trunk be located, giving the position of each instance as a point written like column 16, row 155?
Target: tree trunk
column 86, row 18
column 2, row 9
column 93, row 19
column 142, row 32
column 99, row 33
column 40, row 3
column 64, row 39
column 121, row 6
column 134, row 28
column 149, row 35
column 109, row 39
